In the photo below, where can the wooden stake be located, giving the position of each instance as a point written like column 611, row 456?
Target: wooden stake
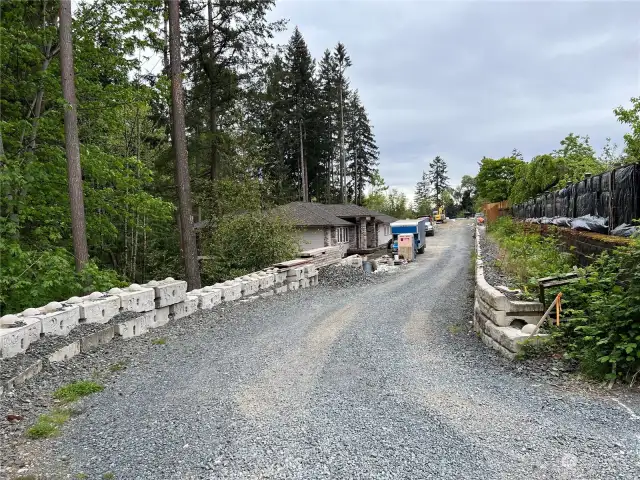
column 546, row 314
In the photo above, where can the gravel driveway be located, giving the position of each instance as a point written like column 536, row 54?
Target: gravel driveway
column 379, row 381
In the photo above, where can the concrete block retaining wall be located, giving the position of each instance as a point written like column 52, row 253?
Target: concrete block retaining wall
column 495, row 317
column 155, row 303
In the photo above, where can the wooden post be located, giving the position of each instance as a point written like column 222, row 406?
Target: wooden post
column 546, row 314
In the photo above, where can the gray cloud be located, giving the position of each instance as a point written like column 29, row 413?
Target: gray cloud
column 463, row 79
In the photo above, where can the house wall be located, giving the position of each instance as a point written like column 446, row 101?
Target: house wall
column 382, row 238
column 312, row 238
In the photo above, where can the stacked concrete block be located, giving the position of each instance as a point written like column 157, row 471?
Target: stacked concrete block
column 168, row 291
column 97, row 307
column 249, row 285
column 293, row 285
column 16, row 337
column 135, row 298
column 136, row 326
column 185, row 308
column 207, row 297
column 161, row 316
column 295, row 274
column 280, row 289
column 304, row 283
column 65, row 353
column 267, row 280
column 231, row 290
column 59, row 319
column 98, row 338
column 494, row 314
column 267, row 293
column 280, row 276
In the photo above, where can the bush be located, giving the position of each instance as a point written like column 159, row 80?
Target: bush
column 245, row 243
column 527, row 256
column 603, row 331
column 33, row 278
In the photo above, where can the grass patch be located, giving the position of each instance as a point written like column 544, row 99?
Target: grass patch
column 454, row 329
column 48, row 425
column 525, row 256
column 117, row 367
column 159, row 341
column 81, row 476
column 77, row 390
column 108, row 476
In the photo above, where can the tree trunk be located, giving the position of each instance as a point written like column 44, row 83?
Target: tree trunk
column 179, row 140
column 343, row 192
column 303, row 167
column 72, row 144
column 213, row 114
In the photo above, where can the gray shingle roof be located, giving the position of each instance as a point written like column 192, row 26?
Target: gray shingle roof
column 350, row 211
column 319, row 215
column 311, row 215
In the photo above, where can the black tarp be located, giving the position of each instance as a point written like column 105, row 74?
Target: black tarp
column 614, row 196
column 625, row 195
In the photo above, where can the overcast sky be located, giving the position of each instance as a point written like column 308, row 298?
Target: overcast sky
column 466, row 79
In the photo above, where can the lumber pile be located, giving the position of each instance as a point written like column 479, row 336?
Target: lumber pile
column 321, row 257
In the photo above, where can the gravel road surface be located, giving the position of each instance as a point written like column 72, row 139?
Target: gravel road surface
column 379, row 381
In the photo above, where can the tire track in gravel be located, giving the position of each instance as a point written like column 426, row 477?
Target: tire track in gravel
column 285, row 383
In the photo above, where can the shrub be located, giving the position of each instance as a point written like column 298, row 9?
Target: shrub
column 603, row 331
column 31, row 278
column 248, row 242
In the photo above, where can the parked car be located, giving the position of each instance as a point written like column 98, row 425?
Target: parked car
column 430, row 229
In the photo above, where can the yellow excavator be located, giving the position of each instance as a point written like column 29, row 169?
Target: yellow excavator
column 439, row 215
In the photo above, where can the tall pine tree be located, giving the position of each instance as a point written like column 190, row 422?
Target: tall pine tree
column 302, row 98
column 361, row 148
column 422, row 195
column 439, row 179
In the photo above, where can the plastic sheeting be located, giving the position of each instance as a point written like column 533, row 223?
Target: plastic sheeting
column 626, row 230
column 625, row 195
column 561, row 221
column 590, row 223
column 614, row 196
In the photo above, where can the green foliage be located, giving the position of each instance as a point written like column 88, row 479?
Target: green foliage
column 246, row 243
column 422, row 196
column 527, row 256
column 496, row 178
column 35, row 277
column 603, row 331
column 438, row 178
column 77, row 390
column 159, row 341
column 631, row 117
column 48, row 425
column 567, row 164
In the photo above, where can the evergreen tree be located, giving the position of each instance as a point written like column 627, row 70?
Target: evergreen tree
column 328, row 136
column 422, row 197
column 439, row 179
column 342, row 61
column 302, row 97
column 361, row 149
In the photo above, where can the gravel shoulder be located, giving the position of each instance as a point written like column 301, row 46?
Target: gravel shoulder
column 382, row 380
